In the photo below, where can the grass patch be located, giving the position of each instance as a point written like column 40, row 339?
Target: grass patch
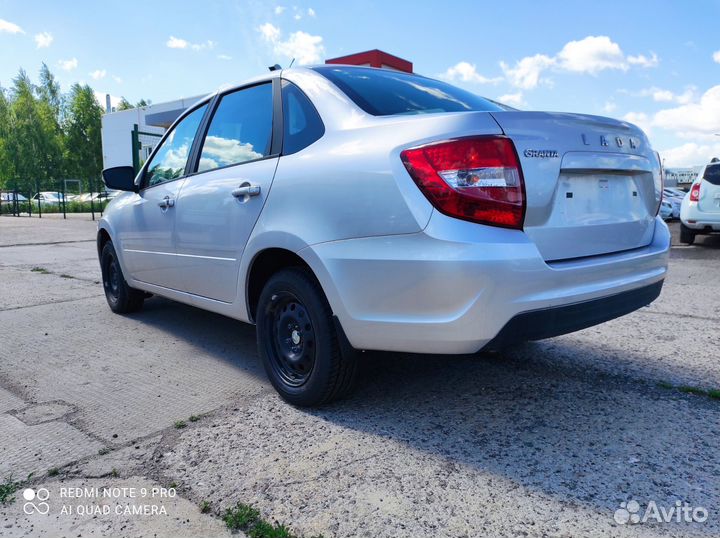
column 180, row 424
column 205, row 507
column 8, row 489
column 104, row 450
column 53, row 472
column 243, row 517
column 692, row 390
column 114, row 473
column 695, row 391
column 40, row 270
column 194, row 418
column 173, row 485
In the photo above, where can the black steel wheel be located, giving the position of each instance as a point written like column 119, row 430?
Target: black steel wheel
column 121, row 298
column 303, row 350
column 293, row 339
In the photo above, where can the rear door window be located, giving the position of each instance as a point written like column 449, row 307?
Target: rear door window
column 712, row 174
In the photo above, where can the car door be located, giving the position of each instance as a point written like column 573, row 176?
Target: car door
column 147, row 232
column 220, row 202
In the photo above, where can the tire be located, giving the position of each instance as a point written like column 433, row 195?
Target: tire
column 687, row 235
column 121, row 298
column 304, row 352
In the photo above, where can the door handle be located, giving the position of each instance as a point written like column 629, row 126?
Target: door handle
column 166, row 202
column 246, row 190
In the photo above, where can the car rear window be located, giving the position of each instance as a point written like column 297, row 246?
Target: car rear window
column 712, row 174
column 382, row 92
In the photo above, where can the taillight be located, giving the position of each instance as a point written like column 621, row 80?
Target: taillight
column 695, row 192
column 477, row 179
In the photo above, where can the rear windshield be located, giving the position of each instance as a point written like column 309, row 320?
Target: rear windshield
column 712, row 174
column 382, row 92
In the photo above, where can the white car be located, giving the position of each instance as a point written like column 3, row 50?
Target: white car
column 50, row 197
column 344, row 208
column 700, row 211
column 11, row 197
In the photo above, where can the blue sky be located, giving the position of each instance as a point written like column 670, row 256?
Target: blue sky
column 656, row 63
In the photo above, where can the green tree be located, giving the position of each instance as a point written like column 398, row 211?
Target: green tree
column 124, row 104
column 83, row 146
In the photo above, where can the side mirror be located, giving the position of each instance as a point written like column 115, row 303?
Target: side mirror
column 121, row 178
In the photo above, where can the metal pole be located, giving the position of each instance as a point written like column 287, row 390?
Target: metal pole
column 37, row 188
column 29, row 204
column 16, row 208
column 92, row 206
column 135, row 148
column 63, row 201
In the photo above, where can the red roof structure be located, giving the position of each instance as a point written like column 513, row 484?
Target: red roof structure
column 374, row 58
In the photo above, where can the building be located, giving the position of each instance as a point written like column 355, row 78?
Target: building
column 681, row 177
column 130, row 136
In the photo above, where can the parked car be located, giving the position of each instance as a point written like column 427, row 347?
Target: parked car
column 673, row 192
column 11, row 197
column 666, row 210
column 50, row 197
column 700, row 212
column 97, row 196
column 345, row 208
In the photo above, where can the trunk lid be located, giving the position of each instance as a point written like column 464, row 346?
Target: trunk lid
column 709, row 201
column 592, row 183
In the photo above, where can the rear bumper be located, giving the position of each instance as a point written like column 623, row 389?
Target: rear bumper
column 554, row 321
column 454, row 287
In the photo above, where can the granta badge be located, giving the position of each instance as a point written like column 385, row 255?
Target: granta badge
column 541, row 153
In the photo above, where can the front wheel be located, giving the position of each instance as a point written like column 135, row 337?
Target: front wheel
column 121, row 298
column 300, row 346
column 687, row 235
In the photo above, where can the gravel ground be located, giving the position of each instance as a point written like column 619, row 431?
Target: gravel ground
column 544, row 440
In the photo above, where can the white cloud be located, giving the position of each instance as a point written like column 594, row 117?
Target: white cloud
column 690, row 154
column 512, row 99
column 526, row 73
column 609, row 107
column 224, row 57
column 311, row 12
column 43, row 40
column 589, row 55
column 117, row 79
column 466, row 72
column 98, row 74
column 702, row 116
column 68, row 65
column 303, row 47
column 269, row 32
column 716, row 56
column 643, row 61
column 640, row 119
column 10, row 27
column 202, row 46
column 279, row 10
column 176, row 43
column 297, row 16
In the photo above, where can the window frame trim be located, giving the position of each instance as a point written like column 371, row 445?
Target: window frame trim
column 276, row 131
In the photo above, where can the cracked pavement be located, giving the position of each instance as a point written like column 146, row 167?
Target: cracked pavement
column 546, row 439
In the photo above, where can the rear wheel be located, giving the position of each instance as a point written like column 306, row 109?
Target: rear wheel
column 687, row 235
column 301, row 348
column 121, row 298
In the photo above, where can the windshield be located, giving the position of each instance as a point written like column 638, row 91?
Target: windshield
column 382, row 92
column 712, row 174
